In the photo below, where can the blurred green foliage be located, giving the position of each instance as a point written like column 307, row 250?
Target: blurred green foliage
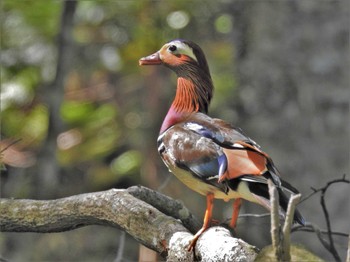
column 109, row 38
column 40, row 16
column 110, row 113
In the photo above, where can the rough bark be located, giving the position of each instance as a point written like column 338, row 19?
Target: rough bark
column 119, row 208
column 167, row 205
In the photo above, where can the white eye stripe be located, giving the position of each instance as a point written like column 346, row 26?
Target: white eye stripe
column 183, row 49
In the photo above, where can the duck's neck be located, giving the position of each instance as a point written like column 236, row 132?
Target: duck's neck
column 193, row 94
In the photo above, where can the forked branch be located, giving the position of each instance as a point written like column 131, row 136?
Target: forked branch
column 153, row 219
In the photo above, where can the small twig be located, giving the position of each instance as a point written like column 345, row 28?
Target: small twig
column 319, row 235
column 275, row 221
column 226, row 221
column 348, row 252
column 121, row 247
column 308, row 228
column 329, row 246
column 332, row 248
column 315, row 191
column 295, row 227
column 254, row 215
column 9, row 145
column 293, row 201
column 164, row 184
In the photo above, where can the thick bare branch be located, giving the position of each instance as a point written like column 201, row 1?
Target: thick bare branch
column 166, row 205
column 119, row 208
column 218, row 245
column 116, row 208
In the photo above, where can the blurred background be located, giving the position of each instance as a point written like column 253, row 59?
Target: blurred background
column 82, row 116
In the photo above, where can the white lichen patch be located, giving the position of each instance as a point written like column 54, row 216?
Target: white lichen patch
column 178, row 247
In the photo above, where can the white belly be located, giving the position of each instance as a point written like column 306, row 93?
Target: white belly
column 201, row 187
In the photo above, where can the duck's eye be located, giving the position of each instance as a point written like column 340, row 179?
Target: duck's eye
column 172, row 48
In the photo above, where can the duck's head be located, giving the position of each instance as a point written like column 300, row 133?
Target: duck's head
column 182, row 56
column 194, row 84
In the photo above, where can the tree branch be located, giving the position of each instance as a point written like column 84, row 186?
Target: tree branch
column 116, row 208
column 315, row 191
column 275, row 221
column 348, row 251
column 122, row 209
column 309, row 227
column 293, row 201
column 330, row 244
column 48, row 168
column 281, row 248
column 167, row 205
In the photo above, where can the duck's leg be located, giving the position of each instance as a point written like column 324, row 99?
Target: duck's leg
column 236, row 207
column 206, row 222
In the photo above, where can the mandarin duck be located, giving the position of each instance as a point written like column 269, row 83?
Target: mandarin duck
column 209, row 155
